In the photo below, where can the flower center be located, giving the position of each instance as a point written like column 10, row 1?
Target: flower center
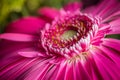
column 70, row 34
column 64, row 33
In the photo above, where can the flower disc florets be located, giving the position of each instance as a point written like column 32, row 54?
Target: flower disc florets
column 70, row 33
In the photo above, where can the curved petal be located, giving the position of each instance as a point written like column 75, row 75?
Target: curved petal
column 115, row 27
column 28, row 25
column 14, row 63
column 112, row 17
column 18, row 37
column 50, row 13
column 9, row 50
column 112, row 43
column 17, row 69
column 73, row 6
column 111, row 7
column 102, row 62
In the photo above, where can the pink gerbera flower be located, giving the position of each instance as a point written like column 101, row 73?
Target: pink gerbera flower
column 65, row 44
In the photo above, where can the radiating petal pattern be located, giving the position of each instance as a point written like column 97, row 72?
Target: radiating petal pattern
column 115, row 26
column 65, row 44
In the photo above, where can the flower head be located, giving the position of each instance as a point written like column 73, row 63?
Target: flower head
column 73, row 33
column 70, row 47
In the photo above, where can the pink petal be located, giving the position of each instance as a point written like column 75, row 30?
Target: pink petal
column 106, row 64
column 111, row 54
column 9, row 58
column 39, row 70
column 28, row 25
column 51, row 73
column 13, row 63
column 92, row 69
column 95, row 9
column 29, row 54
column 61, row 72
column 50, row 13
column 111, row 7
column 81, row 72
column 9, row 50
column 112, row 43
column 115, row 27
column 18, row 37
column 100, row 8
column 73, row 6
column 11, row 68
column 69, row 72
column 17, row 69
column 22, row 69
column 112, row 17
column 102, row 70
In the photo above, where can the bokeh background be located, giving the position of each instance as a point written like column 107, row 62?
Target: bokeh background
column 14, row 9
column 11, row 10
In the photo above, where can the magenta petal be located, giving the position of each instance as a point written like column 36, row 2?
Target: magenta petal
column 49, row 12
column 9, row 53
column 17, row 37
column 101, row 69
column 69, row 73
column 112, row 17
column 61, row 71
column 115, row 26
column 111, row 54
column 81, row 72
column 100, row 8
column 12, row 68
column 39, row 70
column 73, row 6
column 17, row 69
column 112, row 43
column 111, row 7
column 95, row 9
column 28, row 54
column 106, row 64
column 29, row 25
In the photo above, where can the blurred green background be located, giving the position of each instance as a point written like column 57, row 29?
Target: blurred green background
column 14, row 9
